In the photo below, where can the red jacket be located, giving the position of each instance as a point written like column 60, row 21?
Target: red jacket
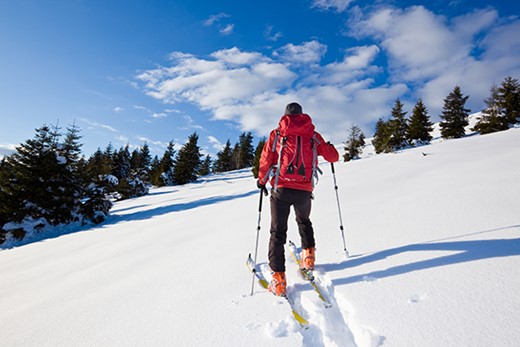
column 269, row 157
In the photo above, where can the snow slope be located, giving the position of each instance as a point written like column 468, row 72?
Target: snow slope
column 434, row 244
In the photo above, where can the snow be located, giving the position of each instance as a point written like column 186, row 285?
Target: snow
column 434, row 244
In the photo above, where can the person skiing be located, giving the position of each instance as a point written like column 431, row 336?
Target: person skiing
column 289, row 161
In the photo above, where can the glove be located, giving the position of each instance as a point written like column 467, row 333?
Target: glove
column 262, row 187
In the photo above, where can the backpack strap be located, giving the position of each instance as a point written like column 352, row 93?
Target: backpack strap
column 315, row 168
column 278, row 165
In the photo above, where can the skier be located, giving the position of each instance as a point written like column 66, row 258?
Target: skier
column 289, row 158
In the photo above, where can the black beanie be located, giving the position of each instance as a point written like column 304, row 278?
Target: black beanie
column 293, row 108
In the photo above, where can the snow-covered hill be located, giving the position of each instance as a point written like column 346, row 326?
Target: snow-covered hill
column 434, row 243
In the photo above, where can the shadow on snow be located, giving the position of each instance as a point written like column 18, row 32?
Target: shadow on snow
column 467, row 251
column 114, row 219
column 146, row 214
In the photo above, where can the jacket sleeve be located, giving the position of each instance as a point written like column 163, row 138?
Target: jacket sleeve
column 327, row 150
column 267, row 159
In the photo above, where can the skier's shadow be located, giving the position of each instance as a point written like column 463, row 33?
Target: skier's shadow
column 466, row 251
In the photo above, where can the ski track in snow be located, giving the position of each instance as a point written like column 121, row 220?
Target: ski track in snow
column 329, row 325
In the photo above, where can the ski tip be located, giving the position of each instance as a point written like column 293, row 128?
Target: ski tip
column 303, row 322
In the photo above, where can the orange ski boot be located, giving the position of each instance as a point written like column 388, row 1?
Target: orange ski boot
column 308, row 258
column 278, row 285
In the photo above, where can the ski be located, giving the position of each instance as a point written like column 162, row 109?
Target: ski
column 264, row 283
column 307, row 274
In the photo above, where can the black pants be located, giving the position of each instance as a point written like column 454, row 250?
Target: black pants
column 281, row 202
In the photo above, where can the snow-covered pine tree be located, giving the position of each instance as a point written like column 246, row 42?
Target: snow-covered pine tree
column 454, row 115
column 167, row 164
column 6, row 207
column 46, row 183
column 492, row 119
column 136, row 183
column 419, row 126
column 354, row 144
column 121, row 165
column 100, row 167
column 35, row 187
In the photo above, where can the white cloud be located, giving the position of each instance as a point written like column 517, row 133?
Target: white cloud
column 227, row 30
column 230, row 77
column 252, row 89
column 93, row 124
column 307, row 53
column 270, row 35
column 118, row 109
column 216, row 144
column 158, row 115
column 142, row 108
column 435, row 53
column 411, row 53
column 6, row 149
column 191, row 124
column 337, row 5
column 215, row 18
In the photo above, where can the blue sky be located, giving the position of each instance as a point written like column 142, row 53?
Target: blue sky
column 129, row 72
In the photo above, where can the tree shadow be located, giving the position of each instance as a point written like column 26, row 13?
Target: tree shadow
column 115, row 219
column 162, row 210
column 467, row 251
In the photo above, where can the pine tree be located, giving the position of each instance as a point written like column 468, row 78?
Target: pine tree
column 509, row 99
column 235, row 157
column 167, row 163
column 6, row 206
column 44, row 183
column 99, row 164
column 205, row 166
column 35, row 168
column 381, row 140
column 224, row 160
column 156, row 172
column 419, row 127
column 99, row 169
column 187, row 164
column 121, row 163
column 354, row 143
column 454, row 115
column 492, row 119
column 245, row 151
column 70, row 180
column 258, row 154
column 145, row 157
column 398, row 126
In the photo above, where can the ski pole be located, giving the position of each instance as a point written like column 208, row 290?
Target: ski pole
column 262, row 191
column 339, row 210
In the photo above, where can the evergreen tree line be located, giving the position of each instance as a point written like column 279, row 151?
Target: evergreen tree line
column 502, row 112
column 48, row 182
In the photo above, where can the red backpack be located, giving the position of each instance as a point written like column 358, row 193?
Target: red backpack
column 297, row 150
